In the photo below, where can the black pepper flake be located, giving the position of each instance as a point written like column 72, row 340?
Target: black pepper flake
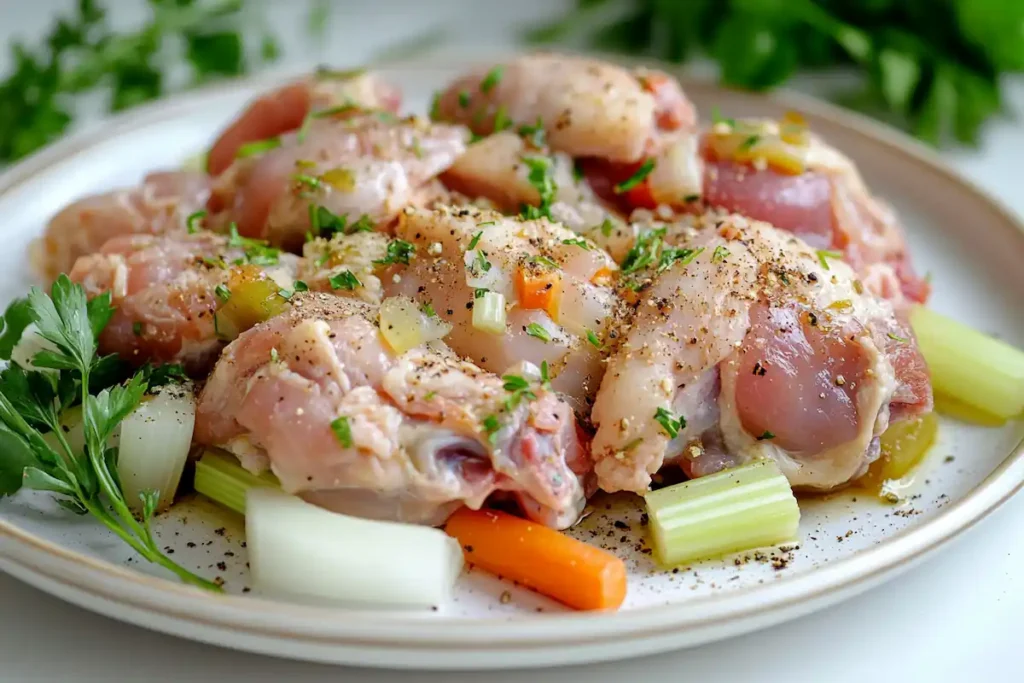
column 619, row 524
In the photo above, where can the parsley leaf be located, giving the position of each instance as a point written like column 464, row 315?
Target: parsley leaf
column 636, row 179
column 669, row 422
column 536, row 330
column 398, row 251
column 342, row 431
column 540, row 176
column 344, row 280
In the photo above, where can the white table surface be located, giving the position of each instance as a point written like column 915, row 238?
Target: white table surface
column 956, row 618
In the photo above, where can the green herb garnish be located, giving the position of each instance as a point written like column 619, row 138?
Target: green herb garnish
column 342, row 431
column 535, row 330
column 398, row 251
column 192, row 222
column 638, row 177
column 32, row 402
column 669, row 422
column 825, row 254
column 581, row 243
column 344, row 280
column 492, row 79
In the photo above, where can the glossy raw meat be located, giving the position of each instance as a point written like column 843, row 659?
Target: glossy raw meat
column 412, row 444
column 446, row 273
column 161, row 204
column 764, row 348
column 284, row 109
column 355, row 167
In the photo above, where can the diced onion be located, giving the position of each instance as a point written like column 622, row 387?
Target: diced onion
column 297, row 550
column 747, row 507
column 405, row 326
column 759, row 141
column 678, row 173
column 155, row 441
column 489, row 313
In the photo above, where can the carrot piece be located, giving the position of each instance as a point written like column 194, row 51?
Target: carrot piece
column 538, row 288
column 603, row 277
column 570, row 571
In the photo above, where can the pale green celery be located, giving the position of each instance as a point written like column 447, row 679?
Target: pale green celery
column 489, row 312
column 747, row 507
column 220, row 478
column 970, row 366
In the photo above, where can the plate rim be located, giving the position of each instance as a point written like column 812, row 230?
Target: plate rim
column 340, row 626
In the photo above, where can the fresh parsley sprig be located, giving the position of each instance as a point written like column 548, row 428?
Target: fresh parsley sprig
column 32, row 402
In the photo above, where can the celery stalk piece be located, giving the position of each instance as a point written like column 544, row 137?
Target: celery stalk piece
column 220, row 478
column 489, row 312
column 746, row 507
column 970, row 366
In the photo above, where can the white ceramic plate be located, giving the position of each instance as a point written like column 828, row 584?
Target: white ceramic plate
column 851, row 541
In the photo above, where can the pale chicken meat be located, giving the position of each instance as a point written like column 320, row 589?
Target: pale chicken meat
column 778, row 172
column 285, row 109
column 180, row 298
column 161, row 204
column 587, row 107
column 364, row 168
column 345, row 264
column 318, row 397
column 747, row 343
column 555, row 285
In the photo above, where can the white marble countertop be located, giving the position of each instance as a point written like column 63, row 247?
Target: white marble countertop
column 956, row 618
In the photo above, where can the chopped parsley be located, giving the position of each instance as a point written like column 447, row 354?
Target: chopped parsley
column 519, row 388
column 222, row 292
column 594, row 341
column 192, row 222
column 137, row 328
column 544, row 261
column 492, row 79
column 825, row 254
column 541, row 178
column 491, row 425
column 896, row 337
column 342, row 431
column 534, row 134
column 691, row 198
column 635, row 179
column 323, row 221
column 251, row 149
column 535, row 330
column 765, row 436
column 501, row 119
column 644, row 251
column 545, row 378
column 300, row 286
column 673, row 255
column 719, row 254
column 310, row 181
column 479, row 292
column 428, row 309
column 749, row 143
column 464, row 98
column 344, row 280
column 398, row 251
column 581, row 243
column 607, row 227
column 481, row 264
column 476, row 240
column 257, row 252
column 669, row 422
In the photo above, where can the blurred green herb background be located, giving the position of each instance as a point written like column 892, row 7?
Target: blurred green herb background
column 932, row 67
column 929, row 66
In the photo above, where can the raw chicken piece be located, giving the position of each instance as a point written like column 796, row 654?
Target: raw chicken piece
column 782, row 174
column 355, row 167
column 460, row 251
column 588, row 108
column 316, row 395
column 325, row 263
column 166, row 298
column 750, row 344
column 285, row 109
column 160, row 205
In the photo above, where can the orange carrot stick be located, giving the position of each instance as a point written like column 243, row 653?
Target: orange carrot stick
column 540, row 558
